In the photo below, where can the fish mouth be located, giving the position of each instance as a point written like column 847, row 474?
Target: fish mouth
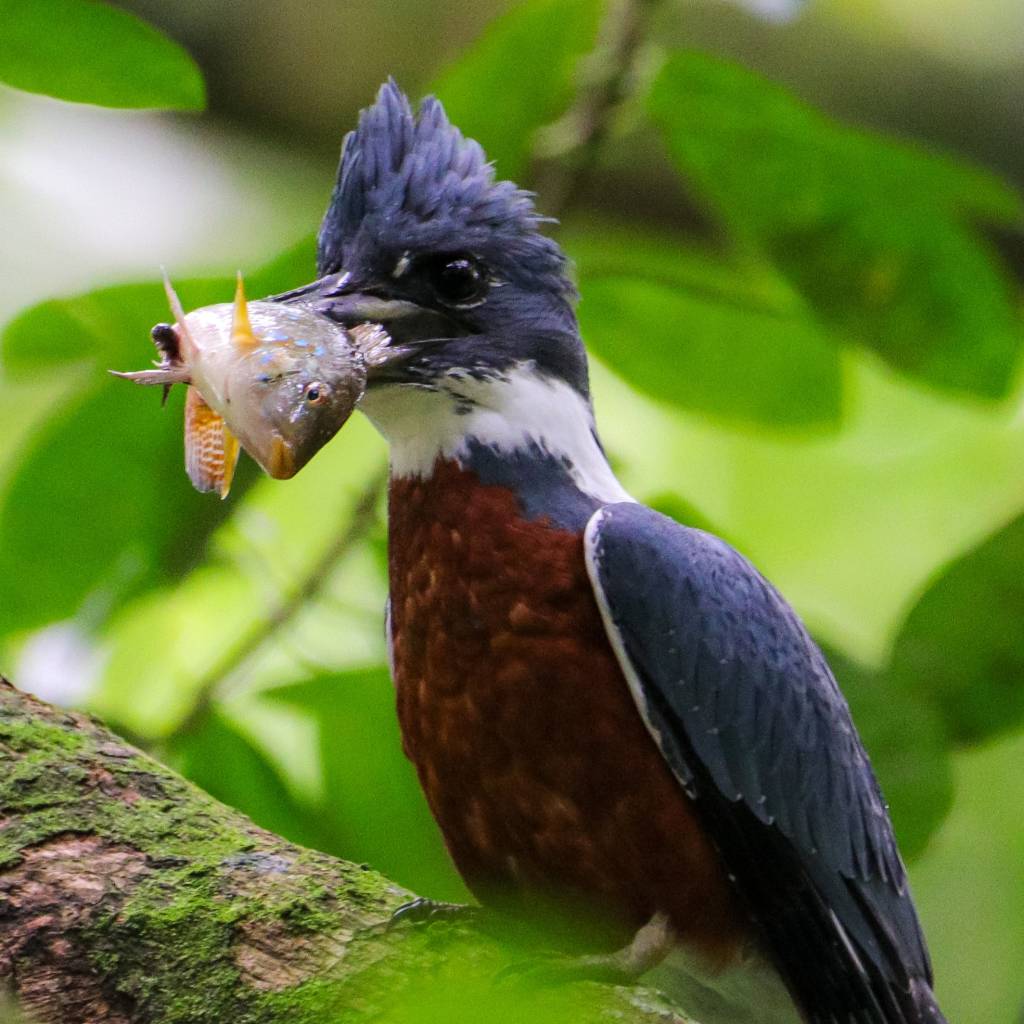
column 281, row 463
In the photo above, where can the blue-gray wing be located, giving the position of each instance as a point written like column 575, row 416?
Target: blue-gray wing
column 748, row 715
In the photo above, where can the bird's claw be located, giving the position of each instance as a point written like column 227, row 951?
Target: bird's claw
column 427, row 911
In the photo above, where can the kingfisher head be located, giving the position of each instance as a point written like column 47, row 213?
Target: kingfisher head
column 477, row 302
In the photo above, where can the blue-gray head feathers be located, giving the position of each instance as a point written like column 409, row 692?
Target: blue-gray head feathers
column 417, row 217
column 410, row 182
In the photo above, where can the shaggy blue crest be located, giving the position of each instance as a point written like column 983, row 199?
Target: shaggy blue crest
column 411, row 182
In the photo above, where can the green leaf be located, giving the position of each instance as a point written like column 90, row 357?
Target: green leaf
column 109, row 328
column 105, row 329
column 518, row 77
column 218, row 757
column 99, row 504
column 602, row 248
column 876, row 235
column 727, row 361
column 91, row 52
column 374, row 810
column 677, row 323
column 963, row 642
column 909, row 748
column 109, row 462
column 293, row 267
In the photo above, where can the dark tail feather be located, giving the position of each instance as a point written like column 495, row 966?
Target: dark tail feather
column 925, row 1004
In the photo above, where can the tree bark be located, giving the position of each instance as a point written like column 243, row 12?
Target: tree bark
column 128, row 896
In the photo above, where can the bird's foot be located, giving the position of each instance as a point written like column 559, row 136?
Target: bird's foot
column 649, row 947
column 426, row 911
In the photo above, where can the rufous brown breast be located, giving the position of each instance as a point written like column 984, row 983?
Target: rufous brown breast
column 527, row 742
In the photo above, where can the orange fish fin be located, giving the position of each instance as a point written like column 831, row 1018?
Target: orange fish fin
column 211, row 450
column 242, row 336
column 176, row 308
column 231, row 451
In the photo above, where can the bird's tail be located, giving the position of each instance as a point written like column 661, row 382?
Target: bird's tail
column 925, row 1004
column 754, row 994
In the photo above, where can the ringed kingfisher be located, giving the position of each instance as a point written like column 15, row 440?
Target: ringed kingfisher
column 606, row 709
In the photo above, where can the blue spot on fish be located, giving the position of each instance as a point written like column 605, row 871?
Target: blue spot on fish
column 266, row 357
column 319, row 350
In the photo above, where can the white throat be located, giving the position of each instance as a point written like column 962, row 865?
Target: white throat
column 521, row 410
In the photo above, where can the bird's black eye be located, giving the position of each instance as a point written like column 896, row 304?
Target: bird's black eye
column 315, row 393
column 457, row 280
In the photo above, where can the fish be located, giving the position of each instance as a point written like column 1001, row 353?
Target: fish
column 276, row 380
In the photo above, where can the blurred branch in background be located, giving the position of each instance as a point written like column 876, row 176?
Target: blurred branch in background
column 566, row 152
column 308, row 588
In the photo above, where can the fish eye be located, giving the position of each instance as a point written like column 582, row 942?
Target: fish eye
column 457, row 280
column 315, row 393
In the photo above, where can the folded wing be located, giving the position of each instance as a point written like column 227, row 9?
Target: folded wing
column 748, row 715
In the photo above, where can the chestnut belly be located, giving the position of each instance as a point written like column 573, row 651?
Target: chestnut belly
column 533, row 757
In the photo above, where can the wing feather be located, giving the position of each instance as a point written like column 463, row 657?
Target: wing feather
column 749, row 716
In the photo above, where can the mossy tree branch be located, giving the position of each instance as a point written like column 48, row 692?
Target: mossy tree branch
column 128, row 896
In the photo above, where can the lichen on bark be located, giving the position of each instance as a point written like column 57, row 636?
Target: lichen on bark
column 128, row 896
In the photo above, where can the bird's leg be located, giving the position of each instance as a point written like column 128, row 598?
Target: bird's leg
column 651, row 944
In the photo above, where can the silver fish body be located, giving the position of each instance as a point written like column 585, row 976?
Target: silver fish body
column 286, row 393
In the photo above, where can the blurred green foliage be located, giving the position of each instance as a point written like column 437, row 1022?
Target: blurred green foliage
column 536, row 46
column 962, row 642
column 733, row 310
column 244, row 642
column 878, row 238
column 91, row 52
column 790, row 370
column 357, row 736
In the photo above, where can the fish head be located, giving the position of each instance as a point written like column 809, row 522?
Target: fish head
column 295, row 387
column 279, row 380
